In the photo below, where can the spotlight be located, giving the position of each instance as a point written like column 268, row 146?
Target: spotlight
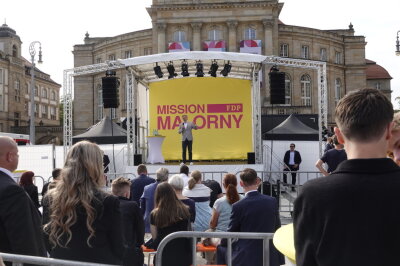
column 171, row 70
column 157, row 71
column 213, row 69
column 199, row 69
column 110, row 73
column 185, row 71
column 227, row 69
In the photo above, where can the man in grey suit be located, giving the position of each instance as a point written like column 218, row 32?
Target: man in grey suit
column 185, row 128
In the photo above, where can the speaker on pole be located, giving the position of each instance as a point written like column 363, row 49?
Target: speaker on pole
column 137, row 159
column 277, row 86
column 251, row 158
column 110, row 91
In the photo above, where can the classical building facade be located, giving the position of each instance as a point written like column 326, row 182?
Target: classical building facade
column 234, row 26
column 15, row 80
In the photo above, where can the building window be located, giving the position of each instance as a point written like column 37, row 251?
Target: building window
column 338, row 58
column 98, row 60
column 36, row 110
column 305, row 85
column 179, row 36
column 148, row 51
column 1, row 76
column 16, row 119
column 15, row 51
column 53, row 113
column 378, row 86
column 284, row 51
column 305, row 52
column 1, row 127
column 249, row 34
column 111, row 57
column 288, row 90
column 44, row 93
column 26, row 106
column 100, row 109
column 323, row 54
column 44, row 111
column 128, row 54
column 53, row 96
column 36, row 91
column 17, row 89
column 27, row 88
column 214, row 35
column 1, row 102
column 338, row 89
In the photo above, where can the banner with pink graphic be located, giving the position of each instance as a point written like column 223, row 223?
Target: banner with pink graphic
column 218, row 46
column 178, row 47
column 250, row 46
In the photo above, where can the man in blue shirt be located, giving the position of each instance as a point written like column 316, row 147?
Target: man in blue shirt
column 139, row 183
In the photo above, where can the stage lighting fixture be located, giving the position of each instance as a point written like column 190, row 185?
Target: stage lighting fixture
column 171, row 70
column 185, row 69
column 213, row 69
column 226, row 70
column 199, row 69
column 157, row 71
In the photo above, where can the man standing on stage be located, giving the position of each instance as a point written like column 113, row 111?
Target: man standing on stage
column 185, row 128
column 292, row 159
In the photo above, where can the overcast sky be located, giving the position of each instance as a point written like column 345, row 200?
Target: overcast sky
column 58, row 25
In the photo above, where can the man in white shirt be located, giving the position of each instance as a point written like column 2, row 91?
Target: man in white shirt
column 292, row 160
column 20, row 223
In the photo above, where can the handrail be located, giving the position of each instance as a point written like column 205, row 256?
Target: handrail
column 229, row 235
column 16, row 258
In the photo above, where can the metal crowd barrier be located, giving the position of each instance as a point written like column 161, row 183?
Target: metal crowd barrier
column 18, row 260
column 228, row 235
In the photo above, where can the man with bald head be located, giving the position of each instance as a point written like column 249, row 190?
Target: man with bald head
column 20, row 222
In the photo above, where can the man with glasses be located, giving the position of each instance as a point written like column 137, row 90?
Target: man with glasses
column 292, row 160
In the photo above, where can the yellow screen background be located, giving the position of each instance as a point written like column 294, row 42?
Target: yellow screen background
column 208, row 143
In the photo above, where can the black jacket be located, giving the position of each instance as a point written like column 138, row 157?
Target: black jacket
column 20, row 223
column 297, row 158
column 106, row 247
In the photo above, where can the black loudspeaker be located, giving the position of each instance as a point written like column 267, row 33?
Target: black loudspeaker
column 251, row 158
column 277, row 87
column 110, row 92
column 137, row 159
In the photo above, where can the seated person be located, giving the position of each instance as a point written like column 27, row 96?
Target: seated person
column 177, row 182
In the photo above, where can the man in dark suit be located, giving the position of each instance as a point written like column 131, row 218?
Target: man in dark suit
column 139, row 183
column 132, row 221
column 254, row 213
column 20, row 222
column 292, row 159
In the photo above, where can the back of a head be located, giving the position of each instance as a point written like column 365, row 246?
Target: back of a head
column 8, row 145
column 176, row 181
column 363, row 115
column 248, row 177
column 162, row 174
column 230, row 184
column 120, row 186
column 168, row 208
column 195, row 177
column 141, row 169
column 184, row 170
column 26, row 178
column 56, row 173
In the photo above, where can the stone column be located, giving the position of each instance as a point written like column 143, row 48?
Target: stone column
column 196, row 45
column 161, row 27
column 232, row 39
column 268, row 43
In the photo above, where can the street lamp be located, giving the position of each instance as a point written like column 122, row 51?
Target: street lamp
column 398, row 44
column 32, row 52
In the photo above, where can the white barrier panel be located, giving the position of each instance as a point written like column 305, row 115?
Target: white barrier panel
column 36, row 158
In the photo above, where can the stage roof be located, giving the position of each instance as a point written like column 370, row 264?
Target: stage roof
column 243, row 64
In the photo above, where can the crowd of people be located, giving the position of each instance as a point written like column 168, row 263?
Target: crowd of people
column 349, row 217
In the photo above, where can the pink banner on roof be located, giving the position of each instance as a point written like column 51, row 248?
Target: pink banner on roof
column 218, row 46
column 250, row 46
column 178, row 47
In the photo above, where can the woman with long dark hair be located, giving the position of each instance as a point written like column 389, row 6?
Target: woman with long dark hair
column 170, row 215
column 26, row 181
column 223, row 206
column 81, row 222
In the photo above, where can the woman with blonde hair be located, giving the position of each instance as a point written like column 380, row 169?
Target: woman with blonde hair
column 81, row 222
column 200, row 193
